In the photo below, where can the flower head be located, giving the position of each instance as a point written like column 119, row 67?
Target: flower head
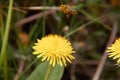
column 68, row 10
column 114, row 50
column 55, row 49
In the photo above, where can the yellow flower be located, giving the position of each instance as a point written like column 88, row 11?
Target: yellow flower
column 55, row 49
column 114, row 50
column 68, row 10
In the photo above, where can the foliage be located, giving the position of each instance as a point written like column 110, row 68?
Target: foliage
column 88, row 29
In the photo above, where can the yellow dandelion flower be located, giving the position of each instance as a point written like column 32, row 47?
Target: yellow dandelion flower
column 114, row 50
column 55, row 49
column 68, row 10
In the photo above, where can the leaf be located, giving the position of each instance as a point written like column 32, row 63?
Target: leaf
column 40, row 72
column 56, row 73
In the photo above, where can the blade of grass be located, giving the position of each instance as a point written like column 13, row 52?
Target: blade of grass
column 84, row 25
column 1, row 23
column 26, row 69
column 34, row 29
column 77, row 29
column 20, row 44
column 94, row 18
column 44, row 16
column 5, row 40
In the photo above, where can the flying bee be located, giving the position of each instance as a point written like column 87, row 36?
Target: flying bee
column 68, row 10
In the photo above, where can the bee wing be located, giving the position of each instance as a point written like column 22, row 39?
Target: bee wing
column 73, row 11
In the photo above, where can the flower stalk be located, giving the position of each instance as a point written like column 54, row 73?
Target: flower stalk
column 48, row 72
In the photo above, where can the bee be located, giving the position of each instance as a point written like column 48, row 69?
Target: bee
column 68, row 10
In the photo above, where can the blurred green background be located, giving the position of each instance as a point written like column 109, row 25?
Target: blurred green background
column 88, row 31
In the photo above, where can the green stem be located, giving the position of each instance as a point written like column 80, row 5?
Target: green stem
column 5, row 37
column 44, row 16
column 94, row 19
column 5, row 69
column 82, row 26
column 26, row 69
column 1, row 23
column 77, row 29
column 48, row 72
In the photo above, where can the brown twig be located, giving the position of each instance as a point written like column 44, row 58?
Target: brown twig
column 20, row 9
column 41, row 8
column 33, row 8
column 72, row 70
column 14, row 8
column 104, row 57
column 20, row 69
column 31, row 18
